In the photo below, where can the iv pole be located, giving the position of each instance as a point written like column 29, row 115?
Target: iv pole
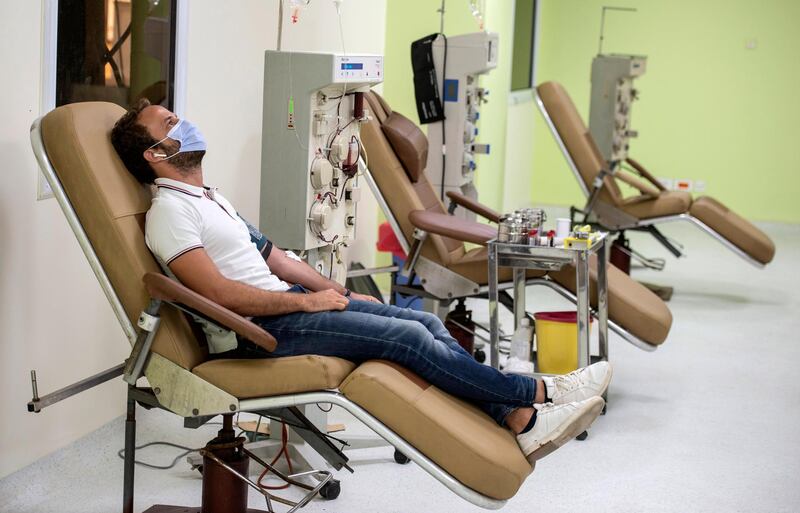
column 603, row 22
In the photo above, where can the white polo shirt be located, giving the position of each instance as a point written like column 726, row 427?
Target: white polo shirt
column 184, row 217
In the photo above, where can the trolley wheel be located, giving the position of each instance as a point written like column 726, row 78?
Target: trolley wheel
column 582, row 436
column 400, row 458
column 331, row 490
column 480, row 355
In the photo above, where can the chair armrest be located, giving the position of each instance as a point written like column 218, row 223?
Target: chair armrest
column 452, row 226
column 644, row 188
column 166, row 289
column 644, row 173
column 470, row 204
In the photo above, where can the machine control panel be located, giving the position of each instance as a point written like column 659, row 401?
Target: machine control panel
column 350, row 68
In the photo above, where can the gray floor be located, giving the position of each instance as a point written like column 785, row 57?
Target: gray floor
column 709, row 422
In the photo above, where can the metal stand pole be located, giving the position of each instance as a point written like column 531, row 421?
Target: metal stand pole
column 602, row 298
column 519, row 296
column 582, row 293
column 130, row 456
column 602, row 305
column 494, row 322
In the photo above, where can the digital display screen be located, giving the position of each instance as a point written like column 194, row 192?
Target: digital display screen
column 352, row 65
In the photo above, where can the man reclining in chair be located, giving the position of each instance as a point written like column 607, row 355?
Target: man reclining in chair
column 198, row 236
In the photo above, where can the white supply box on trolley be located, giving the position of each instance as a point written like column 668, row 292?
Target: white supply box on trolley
column 313, row 106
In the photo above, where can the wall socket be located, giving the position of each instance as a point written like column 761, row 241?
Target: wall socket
column 682, row 184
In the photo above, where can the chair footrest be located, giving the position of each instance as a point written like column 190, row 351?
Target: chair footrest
column 739, row 231
column 454, row 434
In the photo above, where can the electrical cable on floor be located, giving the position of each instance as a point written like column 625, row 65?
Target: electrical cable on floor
column 189, row 450
column 186, row 451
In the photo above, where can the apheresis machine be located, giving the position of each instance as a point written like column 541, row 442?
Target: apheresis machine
column 313, row 106
column 454, row 65
column 613, row 95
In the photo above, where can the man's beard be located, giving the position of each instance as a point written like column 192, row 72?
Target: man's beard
column 185, row 162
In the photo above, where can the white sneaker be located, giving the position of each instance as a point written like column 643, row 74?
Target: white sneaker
column 580, row 384
column 557, row 424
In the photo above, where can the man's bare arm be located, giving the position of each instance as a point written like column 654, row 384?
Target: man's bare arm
column 301, row 273
column 293, row 271
column 197, row 271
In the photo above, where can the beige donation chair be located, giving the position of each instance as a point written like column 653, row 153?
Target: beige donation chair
column 453, row 441
column 434, row 241
column 654, row 204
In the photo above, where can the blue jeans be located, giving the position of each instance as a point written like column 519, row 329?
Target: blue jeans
column 416, row 340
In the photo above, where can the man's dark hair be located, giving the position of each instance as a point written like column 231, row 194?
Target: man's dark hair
column 130, row 138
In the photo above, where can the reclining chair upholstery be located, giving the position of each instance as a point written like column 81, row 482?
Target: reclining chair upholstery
column 654, row 204
column 631, row 305
column 111, row 207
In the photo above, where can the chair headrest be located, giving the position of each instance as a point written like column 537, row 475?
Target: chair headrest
column 77, row 140
column 378, row 105
column 408, row 142
column 406, row 139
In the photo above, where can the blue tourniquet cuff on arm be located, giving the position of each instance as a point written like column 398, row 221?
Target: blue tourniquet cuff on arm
column 263, row 244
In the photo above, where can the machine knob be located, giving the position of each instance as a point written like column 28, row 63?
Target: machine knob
column 321, row 173
column 320, row 216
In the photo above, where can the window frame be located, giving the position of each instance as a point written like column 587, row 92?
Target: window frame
column 49, row 78
column 525, row 95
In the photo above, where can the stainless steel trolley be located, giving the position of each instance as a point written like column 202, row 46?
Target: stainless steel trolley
column 521, row 257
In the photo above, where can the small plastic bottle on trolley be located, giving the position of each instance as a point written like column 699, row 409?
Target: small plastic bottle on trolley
column 519, row 359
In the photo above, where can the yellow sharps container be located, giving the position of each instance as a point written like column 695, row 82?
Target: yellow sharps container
column 557, row 341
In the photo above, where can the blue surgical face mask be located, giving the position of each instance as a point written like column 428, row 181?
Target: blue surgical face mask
column 187, row 135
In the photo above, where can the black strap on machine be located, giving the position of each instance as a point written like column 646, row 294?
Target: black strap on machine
column 426, row 86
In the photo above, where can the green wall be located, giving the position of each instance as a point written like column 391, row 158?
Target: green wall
column 710, row 109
